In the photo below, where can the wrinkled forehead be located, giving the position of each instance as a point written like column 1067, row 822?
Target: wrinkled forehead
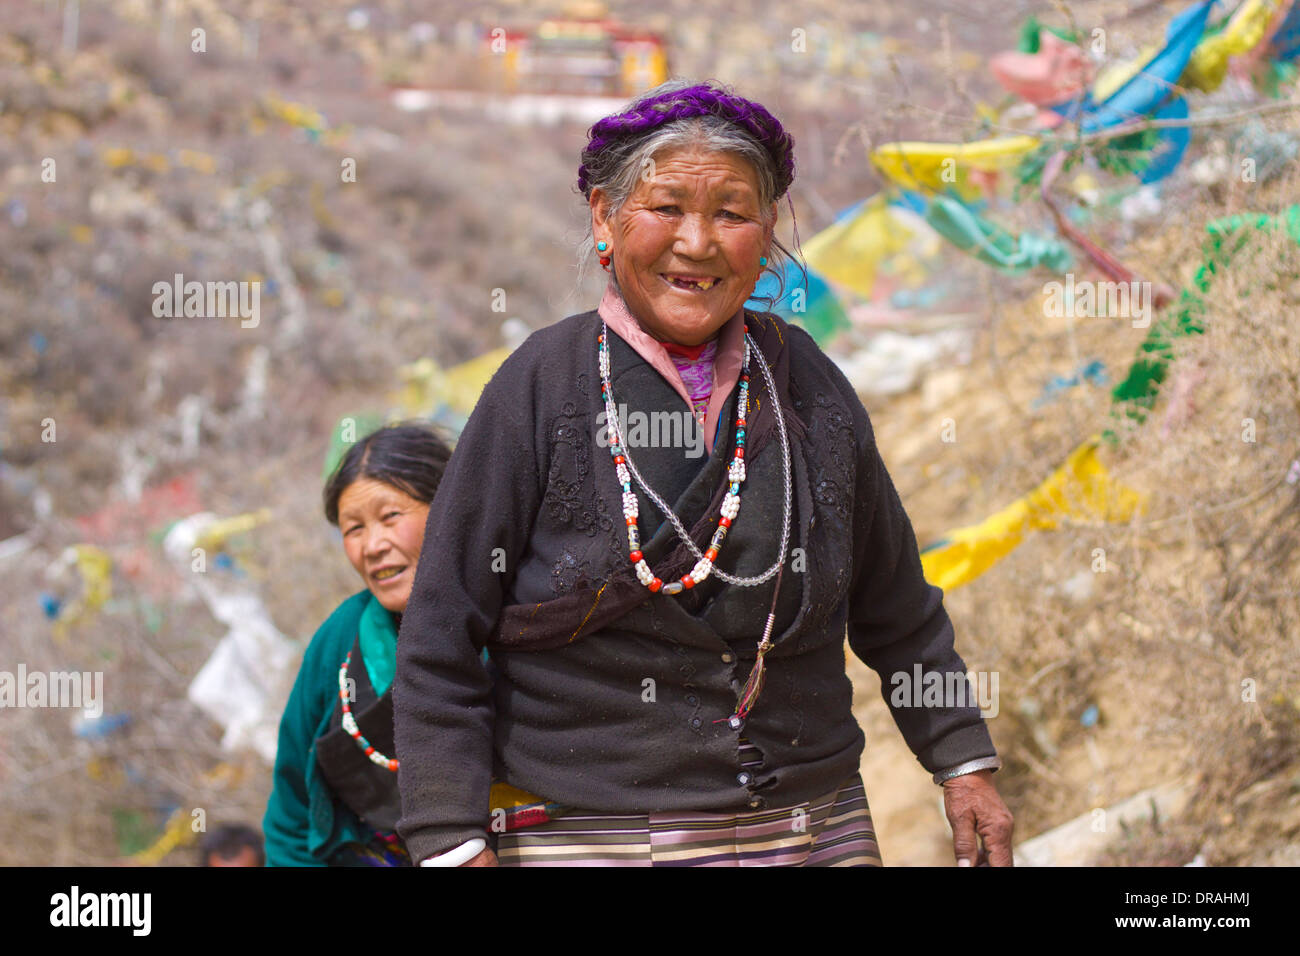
column 686, row 188
column 681, row 174
column 366, row 495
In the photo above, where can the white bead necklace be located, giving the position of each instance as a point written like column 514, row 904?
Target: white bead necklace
column 736, row 473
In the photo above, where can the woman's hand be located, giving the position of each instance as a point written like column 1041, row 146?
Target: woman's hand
column 485, row 858
column 976, row 812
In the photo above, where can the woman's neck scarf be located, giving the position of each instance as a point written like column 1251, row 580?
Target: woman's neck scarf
column 378, row 635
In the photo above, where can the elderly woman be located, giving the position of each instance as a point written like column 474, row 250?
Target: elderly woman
column 334, row 801
column 666, row 695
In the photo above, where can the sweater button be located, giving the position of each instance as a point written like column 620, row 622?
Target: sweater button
column 695, row 723
column 728, row 657
column 692, row 699
column 758, row 803
column 743, row 778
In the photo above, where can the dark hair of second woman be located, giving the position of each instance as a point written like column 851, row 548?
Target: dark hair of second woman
column 408, row 456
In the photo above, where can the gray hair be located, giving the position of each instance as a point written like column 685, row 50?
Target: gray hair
column 616, row 169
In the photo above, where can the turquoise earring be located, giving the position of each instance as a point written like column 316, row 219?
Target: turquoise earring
column 604, row 260
column 762, row 260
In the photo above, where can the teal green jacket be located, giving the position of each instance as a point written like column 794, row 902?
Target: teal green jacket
column 304, row 824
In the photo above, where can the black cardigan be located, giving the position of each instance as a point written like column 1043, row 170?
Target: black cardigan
column 610, row 698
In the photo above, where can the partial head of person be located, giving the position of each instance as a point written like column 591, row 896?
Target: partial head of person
column 683, row 187
column 232, row 844
column 379, row 497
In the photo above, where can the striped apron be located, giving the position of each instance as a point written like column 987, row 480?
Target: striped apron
column 835, row 829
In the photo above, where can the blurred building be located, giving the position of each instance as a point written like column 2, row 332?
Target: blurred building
column 584, row 53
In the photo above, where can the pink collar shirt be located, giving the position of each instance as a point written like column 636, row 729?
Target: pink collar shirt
column 726, row 363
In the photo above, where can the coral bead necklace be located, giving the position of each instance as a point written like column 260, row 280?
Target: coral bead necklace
column 705, row 562
column 350, row 722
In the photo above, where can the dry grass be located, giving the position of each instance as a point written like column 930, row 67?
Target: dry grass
column 1200, row 601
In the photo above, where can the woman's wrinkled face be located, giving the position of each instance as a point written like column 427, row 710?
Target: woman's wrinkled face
column 383, row 531
column 695, row 215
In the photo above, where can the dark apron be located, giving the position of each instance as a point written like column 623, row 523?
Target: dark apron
column 368, row 789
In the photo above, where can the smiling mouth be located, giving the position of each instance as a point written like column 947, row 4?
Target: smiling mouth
column 387, row 574
column 690, row 285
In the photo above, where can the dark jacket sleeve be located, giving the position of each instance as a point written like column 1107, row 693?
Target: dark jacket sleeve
column 443, row 713
column 897, row 619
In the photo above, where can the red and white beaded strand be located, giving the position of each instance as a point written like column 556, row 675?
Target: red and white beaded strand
column 627, row 471
column 350, row 723
column 730, row 508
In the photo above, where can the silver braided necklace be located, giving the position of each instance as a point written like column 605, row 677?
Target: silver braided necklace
column 627, row 472
column 616, row 436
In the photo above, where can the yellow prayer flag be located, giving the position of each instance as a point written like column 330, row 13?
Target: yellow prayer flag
column 95, row 566
column 1209, row 63
column 940, row 167
column 850, row 252
column 215, row 535
column 1080, row 490
column 426, row 386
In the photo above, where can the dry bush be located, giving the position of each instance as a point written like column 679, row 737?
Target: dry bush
column 163, row 74
column 1199, row 594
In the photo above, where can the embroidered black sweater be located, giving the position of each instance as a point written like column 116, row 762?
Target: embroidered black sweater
column 607, row 697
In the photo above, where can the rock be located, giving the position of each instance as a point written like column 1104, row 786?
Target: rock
column 1077, row 842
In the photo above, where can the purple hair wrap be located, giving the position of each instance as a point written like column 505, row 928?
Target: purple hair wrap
column 700, row 100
